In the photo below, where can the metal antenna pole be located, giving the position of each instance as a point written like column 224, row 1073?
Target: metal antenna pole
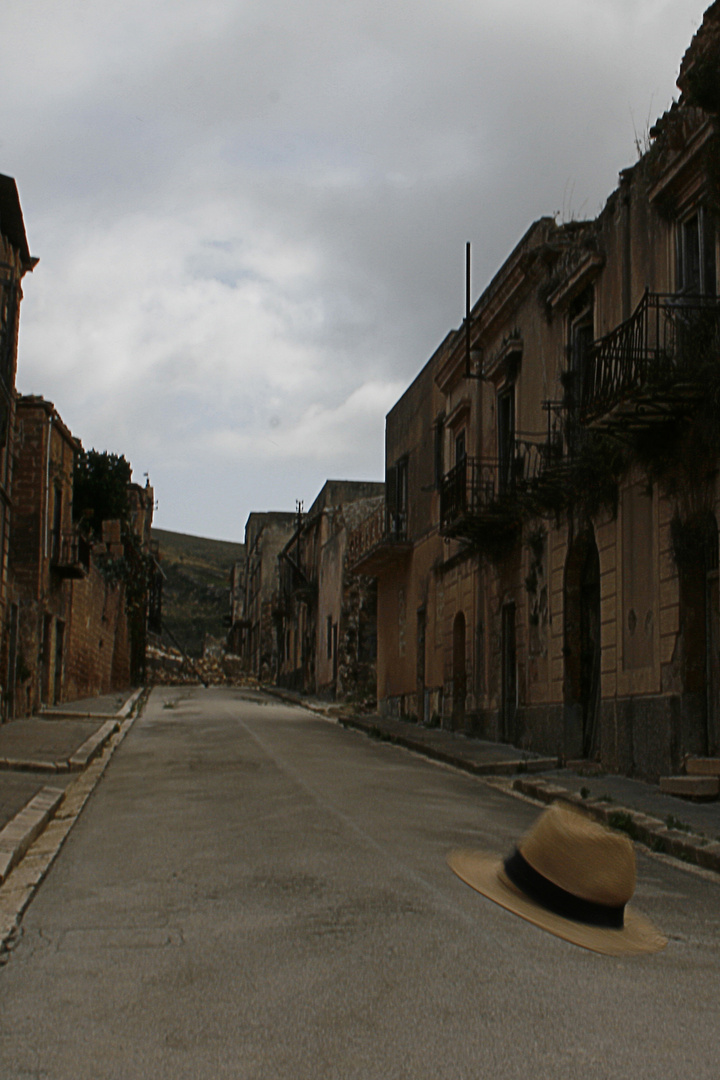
column 467, row 309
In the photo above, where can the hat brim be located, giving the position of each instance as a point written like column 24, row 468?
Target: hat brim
column 484, row 872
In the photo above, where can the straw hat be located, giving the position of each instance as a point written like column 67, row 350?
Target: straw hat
column 571, row 876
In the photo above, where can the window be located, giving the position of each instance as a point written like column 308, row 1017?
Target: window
column 56, row 535
column 580, row 339
column 396, row 497
column 506, row 435
column 439, row 456
column 460, row 450
column 695, row 255
column 8, row 319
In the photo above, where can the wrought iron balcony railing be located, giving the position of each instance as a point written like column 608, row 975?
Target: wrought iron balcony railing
column 479, row 494
column 653, row 360
column 378, row 541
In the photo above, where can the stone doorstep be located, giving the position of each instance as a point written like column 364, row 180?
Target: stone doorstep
column 585, row 768
column 26, row 826
column 92, row 746
column 691, row 787
column 507, row 767
column 702, row 766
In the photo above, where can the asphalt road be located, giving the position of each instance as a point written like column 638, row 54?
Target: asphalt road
column 254, row 892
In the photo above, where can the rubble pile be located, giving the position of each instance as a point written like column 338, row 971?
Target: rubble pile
column 166, row 666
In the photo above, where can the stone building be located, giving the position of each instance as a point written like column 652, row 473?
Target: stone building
column 568, row 602
column 236, row 616
column 324, row 616
column 15, row 262
column 400, row 546
column 265, row 536
column 78, row 623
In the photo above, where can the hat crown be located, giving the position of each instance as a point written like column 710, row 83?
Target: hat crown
column 581, row 856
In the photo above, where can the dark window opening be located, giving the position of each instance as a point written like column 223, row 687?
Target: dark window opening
column 396, row 498
column 439, row 456
column 460, row 448
column 695, row 255
column 56, row 535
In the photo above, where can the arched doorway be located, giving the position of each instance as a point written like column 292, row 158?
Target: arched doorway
column 459, row 673
column 697, row 554
column 582, row 647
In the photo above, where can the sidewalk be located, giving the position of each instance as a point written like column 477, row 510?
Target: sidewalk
column 43, row 751
column 686, row 830
column 49, row 766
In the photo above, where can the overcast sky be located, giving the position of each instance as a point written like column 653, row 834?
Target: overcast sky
column 251, row 214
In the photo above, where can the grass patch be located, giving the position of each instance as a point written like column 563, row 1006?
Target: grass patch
column 623, row 821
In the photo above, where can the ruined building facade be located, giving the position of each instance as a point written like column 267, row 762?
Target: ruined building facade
column 547, row 556
column 15, row 262
column 324, row 616
column 79, row 606
column 256, row 641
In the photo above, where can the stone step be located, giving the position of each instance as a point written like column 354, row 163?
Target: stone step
column 702, row 766
column 703, row 788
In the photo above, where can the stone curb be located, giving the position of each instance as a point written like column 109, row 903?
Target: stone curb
column 56, row 715
column 18, row 889
column 33, row 765
column 645, row 829
column 122, row 714
column 20, row 832
column 507, row 767
column 92, row 746
column 447, row 757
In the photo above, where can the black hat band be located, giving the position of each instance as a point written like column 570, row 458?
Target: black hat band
column 559, row 901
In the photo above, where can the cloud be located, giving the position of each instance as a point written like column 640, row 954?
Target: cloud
column 251, row 216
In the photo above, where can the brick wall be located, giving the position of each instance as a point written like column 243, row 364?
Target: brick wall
column 97, row 657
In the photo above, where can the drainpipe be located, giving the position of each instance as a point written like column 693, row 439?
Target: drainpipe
column 47, row 487
column 625, row 188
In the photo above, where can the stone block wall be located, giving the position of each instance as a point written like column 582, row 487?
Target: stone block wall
column 97, row 658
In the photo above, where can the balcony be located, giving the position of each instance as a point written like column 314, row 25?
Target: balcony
column 379, row 543
column 652, row 366
column 484, row 500
column 70, row 555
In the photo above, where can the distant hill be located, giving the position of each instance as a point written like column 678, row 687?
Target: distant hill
column 196, row 590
